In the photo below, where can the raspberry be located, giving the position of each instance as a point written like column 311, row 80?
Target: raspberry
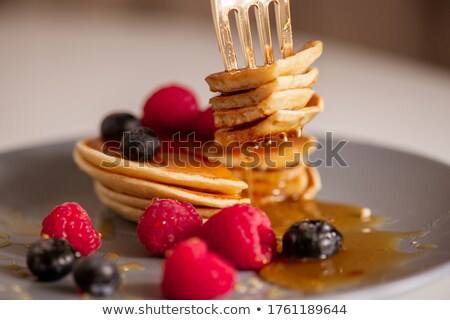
column 243, row 235
column 71, row 222
column 167, row 222
column 191, row 272
column 171, row 109
column 204, row 125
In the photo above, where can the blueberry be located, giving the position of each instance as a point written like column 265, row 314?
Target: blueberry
column 51, row 259
column 311, row 239
column 114, row 125
column 97, row 276
column 140, row 144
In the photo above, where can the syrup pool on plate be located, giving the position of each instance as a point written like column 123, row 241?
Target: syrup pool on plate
column 367, row 255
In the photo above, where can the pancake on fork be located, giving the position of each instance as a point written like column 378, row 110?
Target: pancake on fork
column 258, row 107
column 293, row 99
column 255, row 96
column 282, row 121
column 248, row 79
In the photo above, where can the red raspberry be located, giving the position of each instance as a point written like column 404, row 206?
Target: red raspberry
column 191, row 272
column 71, row 222
column 171, row 109
column 243, row 235
column 167, row 222
column 204, row 125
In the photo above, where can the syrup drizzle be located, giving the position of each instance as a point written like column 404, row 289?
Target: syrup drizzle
column 4, row 240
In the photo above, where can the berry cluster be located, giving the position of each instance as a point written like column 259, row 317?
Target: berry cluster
column 169, row 110
column 201, row 260
column 68, row 234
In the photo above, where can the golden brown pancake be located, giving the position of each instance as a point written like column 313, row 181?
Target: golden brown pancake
column 131, row 207
column 278, row 154
column 202, row 175
column 149, row 190
column 127, row 212
column 270, row 177
column 281, row 100
column 304, row 187
column 255, row 96
column 247, row 79
column 294, row 187
column 282, row 121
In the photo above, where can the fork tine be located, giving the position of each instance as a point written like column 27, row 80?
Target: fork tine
column 265, row 38
column 245, row 35
column 221, row 10
column 284, row 27
column 220, row 13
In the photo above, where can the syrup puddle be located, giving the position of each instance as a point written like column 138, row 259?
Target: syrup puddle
column 107, row 228
column 15, row 223
column 22, row 295
column 4, row 240
column 367, row 257
column 126, row 266
column 19, row 271
column 113, row 256
column 131, row 266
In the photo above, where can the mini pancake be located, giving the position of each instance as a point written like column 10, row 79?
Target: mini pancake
column 270, row 177
column 282, row 121
column 280, row 153
column 294, row 187
column 202, row 174
column 307, row 189
column 127, row 212
column 134, row 206
column 281, row 100
column 149, row 190
column 247, row 79
column 314, row 184
column 254, row 97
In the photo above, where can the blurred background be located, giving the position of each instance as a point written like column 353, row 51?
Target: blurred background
column 64, row 64
column 415, row 28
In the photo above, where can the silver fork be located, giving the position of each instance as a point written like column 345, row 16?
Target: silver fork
column 221, row 10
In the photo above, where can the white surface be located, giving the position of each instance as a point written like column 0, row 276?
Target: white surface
column 224, row 309
column 60, row 74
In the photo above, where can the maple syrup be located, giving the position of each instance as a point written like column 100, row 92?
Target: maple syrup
column 4, row 240
column 367, row 256
column 131, row 266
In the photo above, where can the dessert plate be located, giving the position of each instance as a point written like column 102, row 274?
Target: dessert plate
column 409, row 190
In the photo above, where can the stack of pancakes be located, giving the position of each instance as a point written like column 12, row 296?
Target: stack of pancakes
column 128, row 187
column 270, row 105
column 270, row 100
column 277, row 171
